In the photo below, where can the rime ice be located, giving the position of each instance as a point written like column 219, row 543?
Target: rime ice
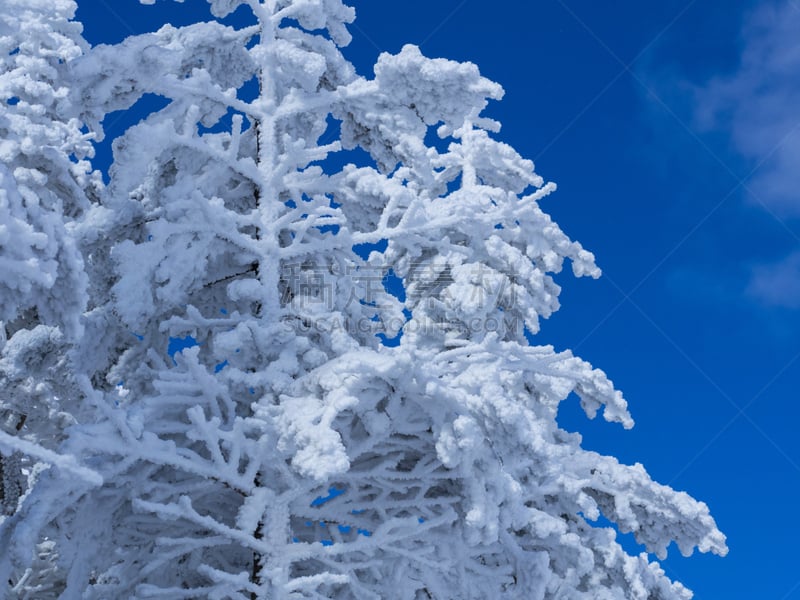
column 286, row 452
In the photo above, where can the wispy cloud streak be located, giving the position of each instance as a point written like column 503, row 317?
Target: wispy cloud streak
column 759, row 104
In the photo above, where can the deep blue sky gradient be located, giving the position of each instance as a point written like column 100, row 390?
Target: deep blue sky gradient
column 601, row 96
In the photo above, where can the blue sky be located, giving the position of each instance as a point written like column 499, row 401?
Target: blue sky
column 671, row 129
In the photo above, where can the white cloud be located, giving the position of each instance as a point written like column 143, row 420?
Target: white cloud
column 777, row 284
column 759, row 104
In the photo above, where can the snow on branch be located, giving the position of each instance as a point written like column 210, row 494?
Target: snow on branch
column 67, row 463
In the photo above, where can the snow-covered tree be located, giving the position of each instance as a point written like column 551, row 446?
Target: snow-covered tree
column 44, row 190
column 289, row 452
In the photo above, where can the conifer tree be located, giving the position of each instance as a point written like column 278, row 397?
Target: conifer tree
column 292, row 451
